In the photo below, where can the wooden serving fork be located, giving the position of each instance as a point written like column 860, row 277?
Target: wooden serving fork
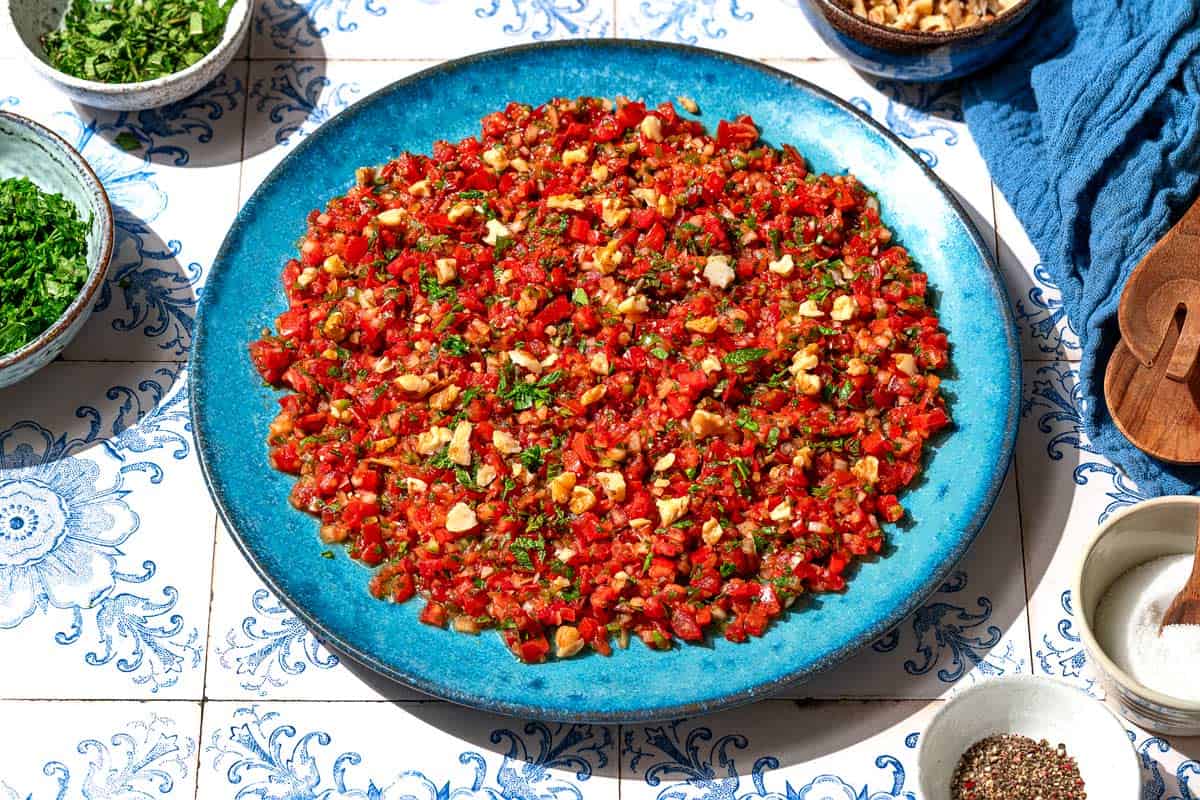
column 1152, row 384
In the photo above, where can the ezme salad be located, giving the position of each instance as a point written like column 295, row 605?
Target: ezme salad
column 598, row 373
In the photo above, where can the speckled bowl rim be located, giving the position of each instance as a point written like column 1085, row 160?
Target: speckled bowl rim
column 1107, row 665
column 990, row 491
column 896, row 36
column 231, row 37
column 95, row 279
column 992, row 684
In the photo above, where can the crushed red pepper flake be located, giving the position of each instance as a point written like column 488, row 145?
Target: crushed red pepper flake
column 598, row 373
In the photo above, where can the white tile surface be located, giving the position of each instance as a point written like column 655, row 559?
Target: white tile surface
column 751, row 28
column 1066, row 491
column 1046, row 333
column 424, row 751
column 109, row 598
column 259, row 649
column 289, row 99
column 96, row 750
column 146, row 613
column 391, row 29
column 862, row 750
column 172, row 177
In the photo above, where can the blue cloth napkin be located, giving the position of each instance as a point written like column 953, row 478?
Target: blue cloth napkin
column 1091, row 128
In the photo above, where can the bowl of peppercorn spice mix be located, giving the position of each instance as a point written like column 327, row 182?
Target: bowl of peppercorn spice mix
column 921, row 40
column 129, row 55
column 1026, row 737
column 56, row 237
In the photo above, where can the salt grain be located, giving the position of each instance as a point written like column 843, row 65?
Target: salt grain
column 1127, row 628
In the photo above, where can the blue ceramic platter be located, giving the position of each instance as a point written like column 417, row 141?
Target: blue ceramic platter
column 232, row 409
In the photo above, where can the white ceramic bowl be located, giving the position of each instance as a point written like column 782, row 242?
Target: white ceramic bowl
column 1164, row 526
column 1040, row 708
column 33, row 18
column 29, row 150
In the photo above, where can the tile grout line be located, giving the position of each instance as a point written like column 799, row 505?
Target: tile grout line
column 212, row 576
column 620, row 736
column 212, row 591
column 199, row 744
column 1016, row 470
column 1024, row 564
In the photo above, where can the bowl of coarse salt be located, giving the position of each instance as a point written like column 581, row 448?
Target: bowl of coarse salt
column 1128, row 575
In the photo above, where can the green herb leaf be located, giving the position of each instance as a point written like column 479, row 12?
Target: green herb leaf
column 43, row 260
column 532, row 457
column 455, row 345
column 434, row 290
column 745, row 355
column 745, row 421
column 521, row 547
column 127, row 141
column 524, row 395
column 126, row 41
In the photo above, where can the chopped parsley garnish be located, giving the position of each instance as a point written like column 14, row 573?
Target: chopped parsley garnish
column 523, row 545
column 746, row 422
column 43, row 260
column 127, row 41
column 524, row 395
column 745, row 355
column 532, row 457
column 455, row 345
column 434, row 290
column 503, row 243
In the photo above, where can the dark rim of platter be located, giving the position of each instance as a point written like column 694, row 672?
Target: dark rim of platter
column 661, row 712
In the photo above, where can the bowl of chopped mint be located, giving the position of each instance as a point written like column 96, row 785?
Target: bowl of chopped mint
column 56, row 237
column 130, row 54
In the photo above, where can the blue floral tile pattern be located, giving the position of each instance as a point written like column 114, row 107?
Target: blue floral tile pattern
column 293, row 24
column 688, row 21
column 920, row 113
column 298, row 98
column 739, row 755
column 144, row 160
column 78, row 571
column 113, row 588
column 270, row 646
column 299, row 750
column 1062, row 654
column 101, row 751
column 356, row 29
column 953, row 639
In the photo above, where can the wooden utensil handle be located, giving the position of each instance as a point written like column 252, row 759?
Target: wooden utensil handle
column 1187, row 348
column 1164, row 286
column 1189, row 224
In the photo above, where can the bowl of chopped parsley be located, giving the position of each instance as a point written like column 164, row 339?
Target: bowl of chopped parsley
column 56, row 237
column 130, row 54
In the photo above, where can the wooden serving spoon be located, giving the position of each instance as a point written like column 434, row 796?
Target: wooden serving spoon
column 1185, row 608
column 1152, row 384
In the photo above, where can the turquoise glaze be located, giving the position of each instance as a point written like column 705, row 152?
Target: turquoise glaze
column 28, row 150
column 231, row 408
